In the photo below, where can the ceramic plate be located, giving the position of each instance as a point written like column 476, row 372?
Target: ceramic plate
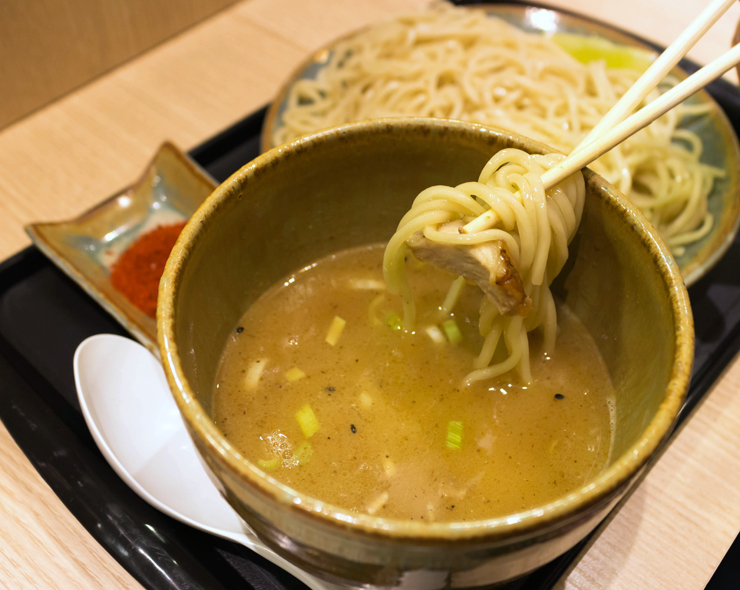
column 720, row 143
column 169, row 191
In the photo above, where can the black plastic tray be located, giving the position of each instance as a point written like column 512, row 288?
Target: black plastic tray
column 44, row 316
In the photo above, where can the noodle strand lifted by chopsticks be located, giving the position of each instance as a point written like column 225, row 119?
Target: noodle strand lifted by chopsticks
column 461, row 64
column 536, row 226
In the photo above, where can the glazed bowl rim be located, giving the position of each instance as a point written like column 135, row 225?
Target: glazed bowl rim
column 570, row 507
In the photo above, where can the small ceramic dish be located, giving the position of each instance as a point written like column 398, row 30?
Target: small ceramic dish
column 721, row 147
column 169, row 191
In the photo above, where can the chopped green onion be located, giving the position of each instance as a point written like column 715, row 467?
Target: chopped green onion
column 307, row 421
column 365, row 400
column 393, row 321
column 335, row 330
column 435, row 334
column 269, row 464
column 254, row 372
column 452, row 331
column 303, row 453
column 294, row 374
column 367, row 285
column 454, row 435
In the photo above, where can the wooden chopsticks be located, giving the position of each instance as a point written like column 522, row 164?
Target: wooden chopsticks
column 658, row 70
column 583, row 156
column 614, row 127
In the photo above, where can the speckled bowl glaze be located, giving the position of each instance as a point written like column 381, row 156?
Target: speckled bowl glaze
column 349, row 186
column 721, row 148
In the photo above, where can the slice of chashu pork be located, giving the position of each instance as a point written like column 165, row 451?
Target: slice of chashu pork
column 487, row 265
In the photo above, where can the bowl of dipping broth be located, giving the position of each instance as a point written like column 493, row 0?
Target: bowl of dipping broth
column 357, row 446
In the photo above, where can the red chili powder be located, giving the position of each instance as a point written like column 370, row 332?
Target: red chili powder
column 137, row 272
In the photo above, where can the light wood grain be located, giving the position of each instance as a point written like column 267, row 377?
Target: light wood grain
column 49, row 47
column 41, row 544
column 677, row 526
column 185, row 90
column 68, row 156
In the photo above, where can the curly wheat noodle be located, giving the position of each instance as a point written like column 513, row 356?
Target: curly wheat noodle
column 537, row 227
column 461, row 64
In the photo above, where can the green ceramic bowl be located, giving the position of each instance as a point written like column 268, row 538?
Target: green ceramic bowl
column 349, row 186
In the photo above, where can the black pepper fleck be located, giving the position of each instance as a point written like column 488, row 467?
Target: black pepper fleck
column 559, row 396
column 330, row 388
column 240, row 329
column 353, row 429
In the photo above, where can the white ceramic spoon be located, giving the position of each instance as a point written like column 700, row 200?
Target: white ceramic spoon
column 134, row 420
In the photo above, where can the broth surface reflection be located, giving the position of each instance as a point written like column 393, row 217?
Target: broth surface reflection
column 320, row 387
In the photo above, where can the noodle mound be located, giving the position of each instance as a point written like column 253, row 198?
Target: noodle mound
column 461, row 64
column 536, row 227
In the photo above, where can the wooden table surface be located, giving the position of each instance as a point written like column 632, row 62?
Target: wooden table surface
column 673, row 531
